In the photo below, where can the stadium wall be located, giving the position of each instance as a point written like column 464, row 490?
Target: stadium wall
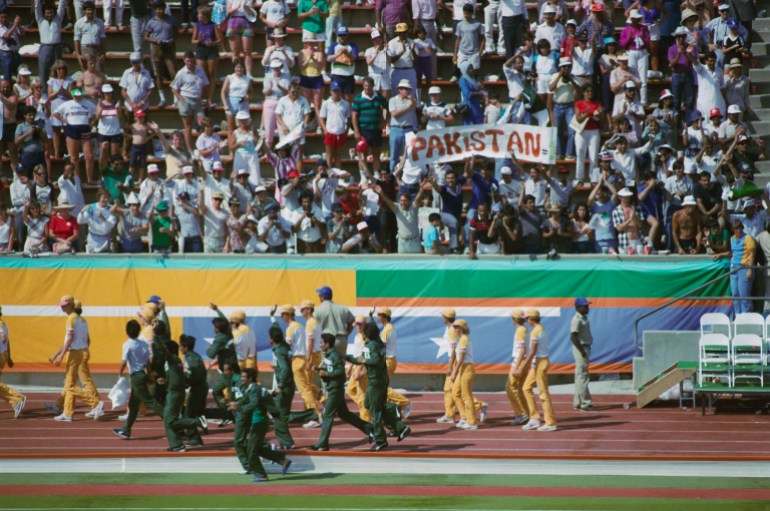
column 483, row 292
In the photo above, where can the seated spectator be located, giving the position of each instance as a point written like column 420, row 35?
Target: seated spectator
column 274, row 230
column 583, row 237
column 42, row 191
column 708, row 196
column 309, row 225
column 214, row 222
column 561, row 188
column 37, row 229
column 557, row 231
column 163, row 228
column 338, row 230
column 189, row 217
column 7, row 231
column 715, row 238
column 101, row 222
column 133, row 225
column 629, row 107
column 63, row 229
column 483, row 238
column 432, row 238
column 510, row 230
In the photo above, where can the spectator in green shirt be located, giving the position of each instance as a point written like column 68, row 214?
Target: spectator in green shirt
column 368, row 108
column 313, row 14
column 117, row 179
column 163, row 228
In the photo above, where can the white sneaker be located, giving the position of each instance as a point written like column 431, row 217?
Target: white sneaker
column 445, row 420
column 483, row 413
column 519, row 420
column 63, row 418
column 311, row 424
column 19, row 407
column 547, row 427
column 98, row 411
column 469, row 427
column 406, row 411
column 461, row 424
column 532, row 424
column 123, row 417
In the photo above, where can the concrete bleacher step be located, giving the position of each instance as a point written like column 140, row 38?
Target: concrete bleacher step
column 759, row 101
column 760, row 49
column 673, row 375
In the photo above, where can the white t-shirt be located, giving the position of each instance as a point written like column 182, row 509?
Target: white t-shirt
column 274, row 10
column 436, row 109
column 515, row 81
column 308, row 232
column 292, row 112
column 626, row 165
column 215, row 223
column 274, row 236
column 76, row 114
column 336, row 115
column 371, row 202
column 554, row 34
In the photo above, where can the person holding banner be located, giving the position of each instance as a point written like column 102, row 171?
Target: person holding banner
column 403, row 120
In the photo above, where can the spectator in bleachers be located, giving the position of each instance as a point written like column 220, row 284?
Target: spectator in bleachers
column 240, row 31
column 469, row 40
column 550, row 29
column 133, row 225
column 273, row 14
column 731, row 126
column 109, row 114
column 343, row 54
column 152, row 190
column 562, row 88
column 76, row 115
column 42, row 191
column 37, row 229
column 309, row 226
column 30, row 137
column 681, row 58
column 602, row 204
column 274, row 86
column 163, row 228
column 472, row 94
column 378, row 64
column 140, row 15
column 628, row 220
column 338, row 229
column 619, row 78
column 136, row 84
column 652, row 198
column 49, row 24
column 207, row 39
column 243, row 147
column 312, row 63
column 531, row 222
column 686, row 228
column 403, row 119
column 483, row 237
column 333, row 118
column 90, row 82
column 280, row 51
column 407, row 218
column 425, row 50
column 208, row 144
column 624, row 161
column 401, row 57
column 635, row 39
column 708, row 196
column 716, row 30
column 58, row 93
column 189, row 218
column 583, row 237
column 20, row 195
column 710, row 85
column 90, row 36
column 562, row 10
column 583, row 61
column 214, row 222
column 7, row 230
column 70, row 190
column 186, row 184
column 241, row 190
column 653, row 13
column 187, row 86
column 274, row 230
column 561, row 188
column 588, row 113
column 313, row 14
column 389, row 13
column 234, row 243
column 63, row 229
column 596, row 27
column 737, row 87
column 513, row 24
column 101, row 222
column 545, row 66
column 607, row 62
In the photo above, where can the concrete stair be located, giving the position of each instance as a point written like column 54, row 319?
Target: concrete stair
column 759, row 125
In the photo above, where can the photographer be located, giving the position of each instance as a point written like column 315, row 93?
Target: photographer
column 308, row 224
column 30, row 136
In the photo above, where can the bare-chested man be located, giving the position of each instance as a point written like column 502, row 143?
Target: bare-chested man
column 10, row 102
column 91, row 81
column 686, row 229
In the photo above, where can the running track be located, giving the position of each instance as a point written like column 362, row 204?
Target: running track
column 664, row 432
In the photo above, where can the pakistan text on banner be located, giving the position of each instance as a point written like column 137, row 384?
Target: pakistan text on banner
column 526, row 143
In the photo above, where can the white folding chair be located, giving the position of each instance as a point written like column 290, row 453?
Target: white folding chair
column 710, row 320
column 749, row 323
column 747, row 358
column 714, row 359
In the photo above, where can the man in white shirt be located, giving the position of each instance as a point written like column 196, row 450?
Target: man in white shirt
column 401, row 58
column 309, row 226
column 536, row 186
column 188, row 87
column 583, row 61
column 101, row 222
column 274, row 230
column 436, row 113
column 50, row 26
column 325, row 185
column 136, row 85
column 291, row 112
column 624, row 162
column 550, row 30
column 334, row 118
column 215, row 182
column 629, row 107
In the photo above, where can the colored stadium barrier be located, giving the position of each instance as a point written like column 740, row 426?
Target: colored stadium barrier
column 482, row 292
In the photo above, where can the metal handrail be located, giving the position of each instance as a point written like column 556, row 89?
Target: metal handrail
column 687, row 296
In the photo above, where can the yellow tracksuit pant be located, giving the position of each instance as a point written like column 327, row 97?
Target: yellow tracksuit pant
column 299, row 367
column 393, row 396
column 357, row 391
column 463, row 393
column 513, row 388
column 539, row 376
column 8, row 393
column 77, row 369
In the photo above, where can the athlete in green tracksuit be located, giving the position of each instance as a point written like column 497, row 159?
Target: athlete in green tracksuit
column 285, row 389
column 376, row 397
column 251, row 411
column 332, row 372
column 223, row 350
column 195, row 380
column 158, row 358
column 175, row 379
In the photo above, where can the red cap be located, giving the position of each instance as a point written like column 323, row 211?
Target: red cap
column 140, row 113
column 597, row 7
column 714, row 112
column 293, row 174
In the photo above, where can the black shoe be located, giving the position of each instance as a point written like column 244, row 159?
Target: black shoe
column 195, row 443
column 225, row 422
column 379, row 447
column 203, row 423
column 286, row 447
column 405, row 433
column 319, row 448
column 121, row 433
column 370, row 437
column 179, row 448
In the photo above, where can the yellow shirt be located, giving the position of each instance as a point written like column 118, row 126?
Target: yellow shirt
column 245, row 342
column 519, row 342
column 313, row 332
column 538, row 335
column 147, row 333
column 78, row 328
column 464, row 346
column 295, row 337
column 389, row 337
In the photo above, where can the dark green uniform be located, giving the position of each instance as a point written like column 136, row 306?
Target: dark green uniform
column 335, row 398
column 222, row 349
column 242, row 426
column 253, row 409
column 175, row 379
column 157, row 367
column 376, row 397
column 140, row 395
column 284, row 380
column 199, row 387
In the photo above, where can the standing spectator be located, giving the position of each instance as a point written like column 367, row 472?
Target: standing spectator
column 628, row 106
column 635, row 39
column 208, row 145
column 136, row 84
column 313, row 14
column 234, row 243
column 483, row 237
column 281, row 51
column 607, row 63
column 187, row 184
column 403, row 120
column 681, row 58
column 133, row 225
column 273, row 14
column 49, row 26
column 163, row 228
column 160, row 32
column 580, row 335
column 620, row 76
column 30, row 137
column 624, row 161
column 597, row 27
column 140, row 15
column 732, row 126
column 333, row 118
column 70, row 190
column 274, row 230
column 20, row 195
column 493, row 15
column 561, row 188
column 115, row 179
column 342, row 55
column 742, row 255
column 214, row 223
column 189, row 218
column 627, row 219
column 90, row 37
column 207, row 39
column 152, row 190
column 236, row 91
column 274, row 86
column 378, row 64
column 312, row 62
column 101, row 222
column 243, row 147
column 292, row 112
column 737, row 87
column 188, row 87
column 425, row 14
column 513, row 24
column 550, row 30
column 368, row 110
column 401, row 57
column 407, row 218
column 76, row 115
column 708, row 196
column 10, row 42
column 109, row 114
column 425, row 51
column 711, row 93
column 531, row 220
column 537, row 187
column 589, row 113
column 471, row 90
column 583, row 62
column 469, row 40
column 686, row 228
column 240, row 31
column 561, row 87
column 388, row 14
column 717, row 30
column 119, row 7
column 308, row 224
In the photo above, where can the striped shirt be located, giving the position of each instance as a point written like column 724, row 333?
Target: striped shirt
column 369, row 110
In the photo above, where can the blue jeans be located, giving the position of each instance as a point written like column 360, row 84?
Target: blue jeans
column 397, row 144
column 563, row 114
column 471, row 214
column 193, row 245
column 410, row 190
column 9, row 63
column 741, row 286
column 683, row 88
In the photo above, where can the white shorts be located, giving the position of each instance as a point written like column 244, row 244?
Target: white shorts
column 654, row 32
column 318, row 37
column 542, row 84
column 474, row 59
column 381, row 82
column 488, row 248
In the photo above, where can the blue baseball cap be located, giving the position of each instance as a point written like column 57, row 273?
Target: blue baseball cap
column 154, row 299
column 342, row 30
column 581, row 301
column 272, row 207
column 335, row 86
column 732, row 23
column 324, row 292
column 695, row 116
column 610, row 40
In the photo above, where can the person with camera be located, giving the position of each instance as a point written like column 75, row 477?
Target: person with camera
column 274, row 230
column 30, row 136
column 308, row 224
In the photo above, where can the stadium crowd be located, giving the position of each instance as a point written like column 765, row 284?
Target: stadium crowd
column 661, row 172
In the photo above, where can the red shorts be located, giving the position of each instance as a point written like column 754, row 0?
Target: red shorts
column 335, row 140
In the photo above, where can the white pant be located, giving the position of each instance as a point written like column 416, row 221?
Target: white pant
column 430, row 31
column 474, row 59
column 493, row 15
column 586, row 142
column 108, row 4
column 640, row 60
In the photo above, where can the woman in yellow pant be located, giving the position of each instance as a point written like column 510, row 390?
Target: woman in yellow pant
column 462, row 377
column 518, row 372
column 538, row 375
column 358, row 381
column 7, row 393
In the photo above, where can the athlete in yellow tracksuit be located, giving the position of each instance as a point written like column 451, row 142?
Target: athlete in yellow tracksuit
column 313, row 332
column 538, row 375
column 518, row 371
column 7, row 393
column 462, row 377
column 357, row 379
column 389, row 337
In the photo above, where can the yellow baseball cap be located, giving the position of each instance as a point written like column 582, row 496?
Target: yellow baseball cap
column 461, row 323
column 306, row 304
column 238, row 317
column 78, row 304
column 66, row 300
column 384, row 310
column 152, row 307
column 517, row 314
column 361, row 320
column 449, row 313
column 401, row 27
column 287, row 309
column 146, row 315
column 533, row 313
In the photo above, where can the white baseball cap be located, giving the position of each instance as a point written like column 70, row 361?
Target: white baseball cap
column 625, row 192
column 733, row 109
column 242, row 115
column 549, row 9
column 434, row 90
column 689, row 200
column 105, row 88
column 635, row 14
column 187, row 169
column 630, row 84
column 506, row 171
column 152, row 168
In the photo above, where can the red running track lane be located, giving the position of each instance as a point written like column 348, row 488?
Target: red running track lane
column 374, row 490
column 611, row 432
